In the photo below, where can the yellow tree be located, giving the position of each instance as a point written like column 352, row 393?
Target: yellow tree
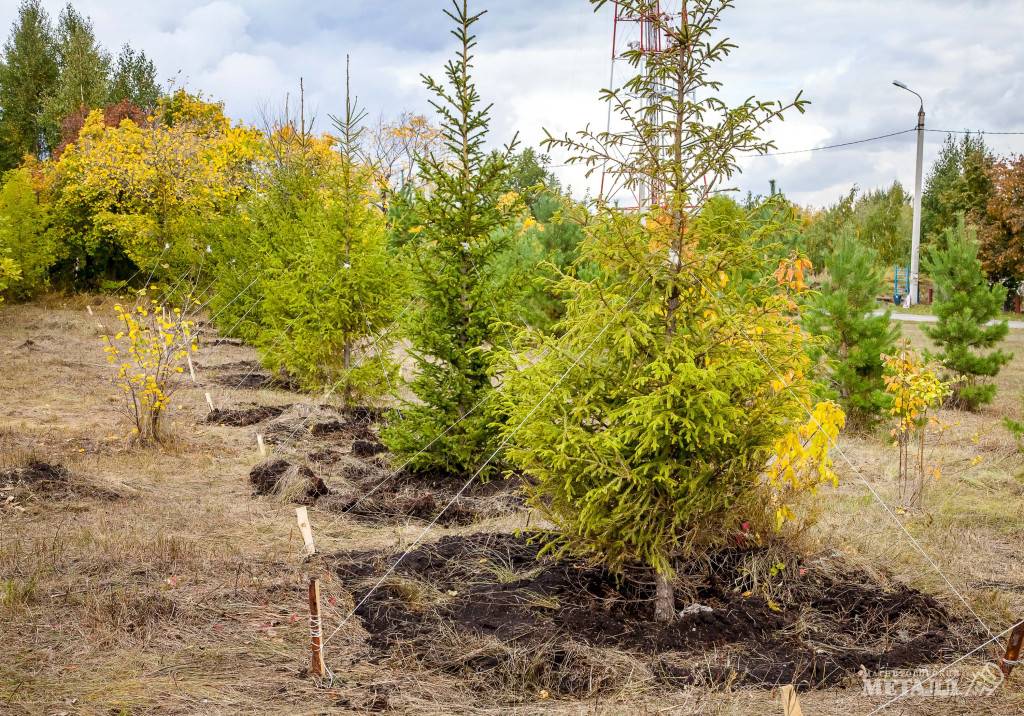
column 146, row 190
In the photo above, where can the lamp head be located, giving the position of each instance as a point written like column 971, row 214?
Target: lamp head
column 900, row 84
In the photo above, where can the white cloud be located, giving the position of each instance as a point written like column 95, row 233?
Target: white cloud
column 542, row 62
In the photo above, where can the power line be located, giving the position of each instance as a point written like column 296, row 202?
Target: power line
column 855, row 141
column 974, row 131
column 837, row 146
column 795, row 151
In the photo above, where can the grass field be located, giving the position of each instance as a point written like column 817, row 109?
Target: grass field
column 151, row 581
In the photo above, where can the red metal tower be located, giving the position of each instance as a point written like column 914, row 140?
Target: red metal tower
column 640, row 27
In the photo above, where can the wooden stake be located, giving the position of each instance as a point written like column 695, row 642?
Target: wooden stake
column 209, row 401
column 191, row 368
column 89, row 309
column 1013, row 646
column 790, row 703
column 306, row 529
column 316, row 665
column 261, row 445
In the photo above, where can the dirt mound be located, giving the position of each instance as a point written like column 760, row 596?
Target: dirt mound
column 280, row 477
column 343, row 446
column 380, row 496
column 244, row 416
column 39, row 480
column 316, row 421
column 367, row 448
column 485, row 607
column 247, row 374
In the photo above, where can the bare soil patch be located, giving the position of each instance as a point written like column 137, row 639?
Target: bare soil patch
column 319, row 423
column 537, row 624
column 278, row 476
column 245, row 415
column 380, row 496
column 333, row 457
column 245, row 374
column 38, row 481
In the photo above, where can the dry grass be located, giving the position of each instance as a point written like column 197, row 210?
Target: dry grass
column 171, row 590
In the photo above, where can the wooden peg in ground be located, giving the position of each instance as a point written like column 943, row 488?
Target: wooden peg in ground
column 790, row 702
column 1013, row 646
column 306, row 529
column 316, row 645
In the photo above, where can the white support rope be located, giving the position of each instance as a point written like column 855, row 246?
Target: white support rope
column 857, row 473
column 504, row 441
column 947, row 667
column 334, row 386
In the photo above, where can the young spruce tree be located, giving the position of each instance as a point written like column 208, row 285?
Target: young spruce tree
column 854, row 336
column 964, row 305
column 670, row 404
column 332, row 288
column 450, row 228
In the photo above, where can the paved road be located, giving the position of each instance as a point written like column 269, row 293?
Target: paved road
column 918, row 318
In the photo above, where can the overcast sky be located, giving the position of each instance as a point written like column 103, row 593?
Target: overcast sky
column 542, row 62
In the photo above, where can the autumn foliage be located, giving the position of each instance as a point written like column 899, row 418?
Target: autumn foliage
column 1002, row 230
column 144, row 189
column 149, row 352
column 916, row 390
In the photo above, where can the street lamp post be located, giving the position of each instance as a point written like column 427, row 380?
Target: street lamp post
column 915, row 241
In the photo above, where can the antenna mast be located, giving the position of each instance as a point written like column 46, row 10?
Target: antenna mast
column 639, row 26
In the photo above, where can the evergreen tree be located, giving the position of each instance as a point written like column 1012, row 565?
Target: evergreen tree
column 964, row 305
column 332, row 289
column 854, row 337
column 134, row 80
column 84, row 73
column 958, row 183
column 28, row 71
column 647, row 420
column 450, row 225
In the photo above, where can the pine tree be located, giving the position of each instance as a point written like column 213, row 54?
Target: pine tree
column 28, row 72
column 646, row 422
column 449, row 228
column 854, row 337
column 964, row 305
column 84, row 72
column 134, row 80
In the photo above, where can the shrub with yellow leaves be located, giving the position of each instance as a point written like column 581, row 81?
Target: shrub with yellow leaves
column 149, row 352
column 915, row 388
column 801, row 462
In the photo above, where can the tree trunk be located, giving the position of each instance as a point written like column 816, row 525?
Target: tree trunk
column 664, row 599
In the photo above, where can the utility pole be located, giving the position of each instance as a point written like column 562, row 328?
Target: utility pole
column 915, row 240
